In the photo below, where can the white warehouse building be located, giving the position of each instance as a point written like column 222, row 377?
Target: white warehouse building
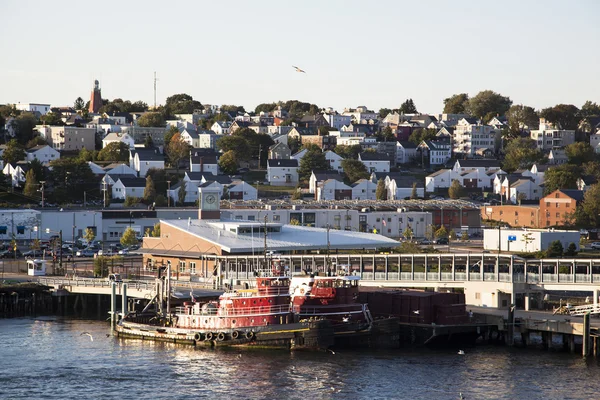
column 527, row 240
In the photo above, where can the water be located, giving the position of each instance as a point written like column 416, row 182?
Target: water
column 49, row 358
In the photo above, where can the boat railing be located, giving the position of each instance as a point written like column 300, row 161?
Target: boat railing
column 239, row 311
column 341, row 308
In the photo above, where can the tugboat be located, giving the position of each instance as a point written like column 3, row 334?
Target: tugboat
column 258, row 317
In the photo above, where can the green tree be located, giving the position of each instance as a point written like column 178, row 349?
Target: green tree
column 455, row 190
column 294, row 144
column 182, row 104
column 31, row 185
column 115, row 151
column 148, row 142
column 151, row 120
column 130, row 201
column 79, row 104
column 24, row 125
column 52, row 119
column 441, row 232
column 420, row 134
column 181, row 194
column 101, row 264
column 265, row 107
column 590, row 209
column 314, row 159
column 414, row 194
column 564, row 116
column 348, row 152
column 36, row 141
column 160, row 200
column 561, row 177
column 555, row 249
column 89, row 235
column 456, row 104
column 86, row 155
column 229, row 108
column 487, row 104
column 297, row 195
column 408, row 107
column 579, row 153
column 408, row 233
column 571, row 250
column 228, row 163
column 354, row 170
column 464, row 236
column 294, row 222
column 386, row 135
column 256, row 142
column 129, row 237
column 381, row 191
column 149, row 190
column 36, row 246
column 70, row 178
column 13, row 152
column 156, row 230
column 383, row 112
column 451, row 235
column 38, row 169
column 519, row 117
column 177, row 150
column 589, row 109
column 238, row 145
column 160, row 178
column 408, row 248
column 169, row 135
column 521, row 153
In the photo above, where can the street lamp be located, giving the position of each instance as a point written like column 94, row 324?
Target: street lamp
column 60, row 248
column 42, row 190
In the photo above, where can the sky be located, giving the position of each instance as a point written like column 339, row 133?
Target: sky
column 372, row 53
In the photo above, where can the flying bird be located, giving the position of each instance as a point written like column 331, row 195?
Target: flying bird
column 298, row 69
column 461, row 352
column 416, row 312
column 332, row 352
column 87, row 334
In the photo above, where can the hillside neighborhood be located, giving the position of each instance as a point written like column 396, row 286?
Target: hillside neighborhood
column 512, row 164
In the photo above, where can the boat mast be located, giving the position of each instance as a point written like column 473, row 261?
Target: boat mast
column 266, row 266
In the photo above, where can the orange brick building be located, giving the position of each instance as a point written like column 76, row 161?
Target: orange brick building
column 553, row 210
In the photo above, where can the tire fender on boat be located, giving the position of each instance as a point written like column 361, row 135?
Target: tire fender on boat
column 235, row 334
column 209, row 336
column 198, row 336
column 249, row 335
column 220, row 336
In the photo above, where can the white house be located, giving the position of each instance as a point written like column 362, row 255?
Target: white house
column 298, row 155
column 204, row 161
column 221, row 127
column 119, row 138
column 557, row 157
column 190, row 136
column 406, row 152
column 317, row 177
column 16, row 173
column 525, row 187
column 334, row 160
column 400, row 186
column 42, row 153
column 595, row 142
column 96, row 169
column 119, row 168
column 242, row 191
column 332, row 189
column 471, row 137
column 191, row 192
column 336, row 120
column 438, row 152
column 128, row 187
column 441, row 179
column 144, row 159
column 41, row 108
column 375, row 162
column 282, row 172
column 364, row 189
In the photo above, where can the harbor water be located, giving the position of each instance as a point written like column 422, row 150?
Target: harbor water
column 52, row 358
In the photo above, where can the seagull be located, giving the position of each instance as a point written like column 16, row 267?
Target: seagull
column 298, row 69
column 461, row 352
column 239, row 356
column 87, row 334
column 416, row 312
column 332, row 352
column 461, row 396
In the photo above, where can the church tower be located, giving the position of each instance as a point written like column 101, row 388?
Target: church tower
column 96, row 98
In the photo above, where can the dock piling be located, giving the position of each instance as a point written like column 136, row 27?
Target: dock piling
column 113, row 304
column 124, row 300
column 511, row 325
column 586, row 334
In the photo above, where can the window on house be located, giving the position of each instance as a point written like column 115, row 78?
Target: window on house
column 192, row 267
column 276, row 217
column 20, row 230
column 557, row 215
column 181, row 266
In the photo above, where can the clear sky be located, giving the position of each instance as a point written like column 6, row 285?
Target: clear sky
column 373, row 53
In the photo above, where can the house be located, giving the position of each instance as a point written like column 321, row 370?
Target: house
column 221, row 127
column 242, row 191
column 318, row 176
column 207, row 139
column 399, row 186
column 375, row 162
column 140, row 133
column 204, row 161
column 190, row 136
column 298, row 155
column 434, row 153
column 282, row 172
column 279, row 151
column 523, row 189
column 128, row 187
column 211, row 186
column 191, row 192
column 68, row 138
column 119, row 138
column 441, row 179
column 406, row 152
column 586, row 181
column 141, row 160
column 364, row 189
column 325, row 142
column 108, row 180
column 119, row 168
column 43, row 153
column 237, row 124
column 332, row 189
column 550, row 137
column 470, row 136
column 96, row 169
column 16, row 173
column 334, row 160
column 313, row 122
column 557, row 157
column 298, row 132
column 557, row 208
column 336, row 121
column 482, row 165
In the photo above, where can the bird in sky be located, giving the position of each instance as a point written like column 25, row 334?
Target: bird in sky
column 87, row 334
column 298, row 69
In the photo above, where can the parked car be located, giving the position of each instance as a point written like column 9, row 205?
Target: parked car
column 85, row 253
column 595, row 245
column 123, row 252
column 32, row 253
column 441, row 241
column 115, row 278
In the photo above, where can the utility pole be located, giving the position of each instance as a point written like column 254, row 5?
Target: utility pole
column 328, row 252
column 155, row 90
column 259, row 151
column 104, row 193
column 42, row 190
column 60, row 268
column 265, row 232
column 169, row 194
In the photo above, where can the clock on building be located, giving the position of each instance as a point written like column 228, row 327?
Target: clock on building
column 210, row 201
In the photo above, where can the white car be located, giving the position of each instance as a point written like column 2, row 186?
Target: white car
column 595, row 245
